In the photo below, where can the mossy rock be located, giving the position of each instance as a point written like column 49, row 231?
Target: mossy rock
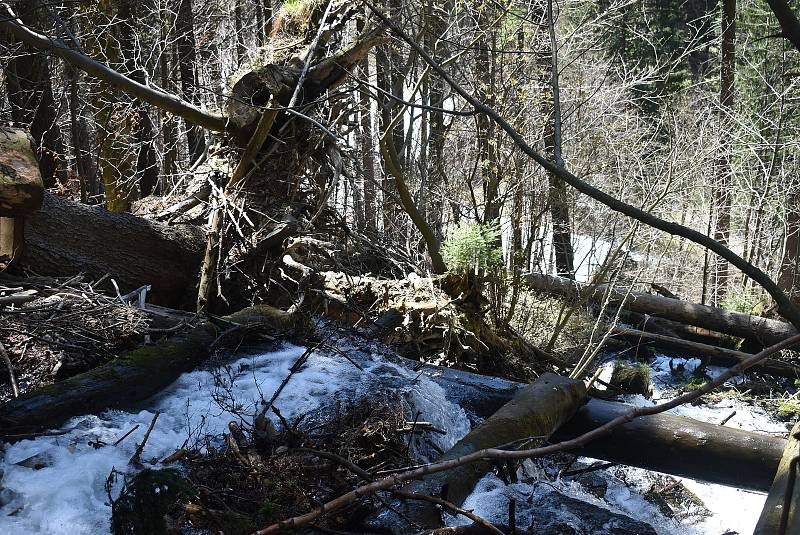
column 632, row 379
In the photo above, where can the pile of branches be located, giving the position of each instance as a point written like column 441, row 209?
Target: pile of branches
column 237, row 483
column 53, row 328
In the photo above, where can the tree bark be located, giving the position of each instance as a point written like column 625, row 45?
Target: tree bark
column 66, row 237
column 557, row 196
column 679, row 446
column 780, row 515
column 21, row 187
column 187, row 59
column 722, row 188
column 762, row 330
column 367, row 151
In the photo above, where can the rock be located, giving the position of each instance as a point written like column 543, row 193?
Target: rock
column 557, row 514
column 546, row 511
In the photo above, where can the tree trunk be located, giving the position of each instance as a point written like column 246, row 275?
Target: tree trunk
column 187, row 59
column 115, row 122
column 557, row 197
column 367, row 150
column 780, row 515
column 79, row 128
column 761, row 330
column 788, row 274
column 722, row 193
column 486, row 138
column 65, row 237
column 169, row 130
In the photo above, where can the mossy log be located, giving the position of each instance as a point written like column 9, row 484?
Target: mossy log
column 764, row 331
column 679, row 446
column 780, row 515
column 137, row 375
column 535, row 411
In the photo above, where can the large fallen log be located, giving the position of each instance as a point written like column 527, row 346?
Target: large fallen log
column 679, row 446
column 780, row 515
column 535, row 411
column 762, row 330
column 139, row 374
column 67, row 237
column 714, row 354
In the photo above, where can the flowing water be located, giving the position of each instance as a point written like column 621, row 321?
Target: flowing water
column 56, row 484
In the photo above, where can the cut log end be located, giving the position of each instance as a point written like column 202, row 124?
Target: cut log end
column 21, row 187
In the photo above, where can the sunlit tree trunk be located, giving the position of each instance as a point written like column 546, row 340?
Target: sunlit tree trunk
column 367, row 146
column 558, row 196
column 722, row 188
column 115, row 124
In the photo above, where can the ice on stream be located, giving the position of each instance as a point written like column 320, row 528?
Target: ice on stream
column 68, row 495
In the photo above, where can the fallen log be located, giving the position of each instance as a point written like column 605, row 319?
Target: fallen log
column 133, row 377
column 67, row 237
column 780, row 515
column 679, row 446
column 534, row 412
column 765, row 331
column 714, row 354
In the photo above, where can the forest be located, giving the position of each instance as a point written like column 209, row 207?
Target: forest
column 438, row 267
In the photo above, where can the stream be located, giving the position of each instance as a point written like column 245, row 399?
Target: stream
column 57, row 484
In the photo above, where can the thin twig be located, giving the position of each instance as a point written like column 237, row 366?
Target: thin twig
column 136, row 456
column 126, row 435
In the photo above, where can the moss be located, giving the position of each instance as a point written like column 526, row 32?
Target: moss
column 632, row 379
column 789, row 409
column 694, row 383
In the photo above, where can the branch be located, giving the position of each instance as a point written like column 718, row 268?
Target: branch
column 494, row 453
column 786, row 307
column 152, row 95
column 790, row 26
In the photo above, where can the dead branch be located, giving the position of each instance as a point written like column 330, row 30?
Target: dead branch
column 147, row 93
